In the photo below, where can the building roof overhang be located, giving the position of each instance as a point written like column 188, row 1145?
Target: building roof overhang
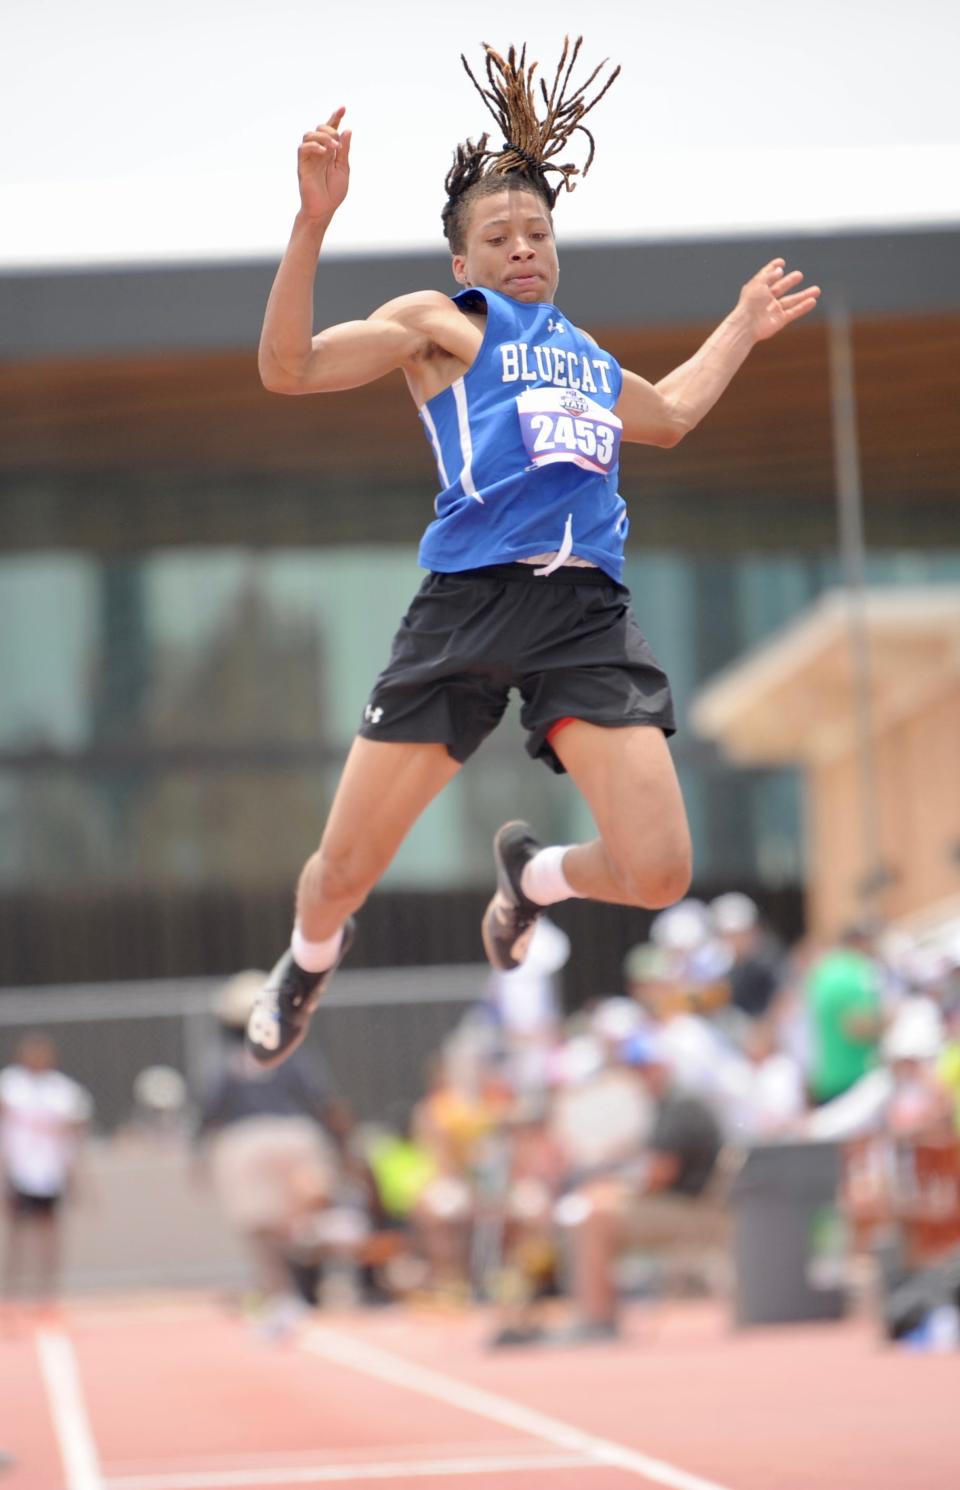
column 794, row 699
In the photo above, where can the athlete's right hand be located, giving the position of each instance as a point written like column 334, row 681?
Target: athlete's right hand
column 323, row 167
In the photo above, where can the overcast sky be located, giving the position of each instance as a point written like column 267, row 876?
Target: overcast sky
column 134, row 132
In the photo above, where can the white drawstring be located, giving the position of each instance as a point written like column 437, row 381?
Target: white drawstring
column 564, row 551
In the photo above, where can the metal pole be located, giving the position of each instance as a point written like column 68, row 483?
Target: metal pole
column 846, row 461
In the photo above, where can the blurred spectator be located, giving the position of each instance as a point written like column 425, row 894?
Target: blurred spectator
column 755, row 956
column 901, row 1097
column 919, row 1105
column 843, row 995
column 602, row 1114
column 273, row 1137
column 774, row 1099
column 399, row 1170
column 948, row 1069
column 525, row 1265
column 43, row 1115
column 160, row 1105
column 526, row 1005
column 656, row 1199
column 679, row 988
column 460, row 1110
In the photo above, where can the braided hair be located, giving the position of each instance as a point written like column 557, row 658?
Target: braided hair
column 530, row 144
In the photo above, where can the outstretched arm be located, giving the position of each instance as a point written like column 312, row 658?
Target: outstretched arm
column 291, row 358
column 662, row 413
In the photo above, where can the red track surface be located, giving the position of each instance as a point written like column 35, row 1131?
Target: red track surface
column 175, row 1388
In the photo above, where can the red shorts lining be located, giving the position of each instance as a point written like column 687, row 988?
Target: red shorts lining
column 558, row 725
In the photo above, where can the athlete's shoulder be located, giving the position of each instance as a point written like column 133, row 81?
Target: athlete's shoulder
column 416, row 309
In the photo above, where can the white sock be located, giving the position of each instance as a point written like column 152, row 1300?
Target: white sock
column 543, row 880
column 315, row 957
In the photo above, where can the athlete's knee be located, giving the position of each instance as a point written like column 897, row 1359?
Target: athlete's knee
column 343, row 879
column 653, row 884
column 665, row 888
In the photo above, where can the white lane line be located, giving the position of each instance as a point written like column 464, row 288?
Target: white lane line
column 383, row 1365
column 68, row 1410
column 152, row 1465
column 325, row 1474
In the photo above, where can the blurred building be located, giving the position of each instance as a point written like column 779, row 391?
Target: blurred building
column 882, row 789
column 199, row 580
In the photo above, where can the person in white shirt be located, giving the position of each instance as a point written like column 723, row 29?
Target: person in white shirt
column 43, row 1114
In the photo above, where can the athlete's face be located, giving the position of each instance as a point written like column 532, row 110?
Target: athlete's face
column 510, row 247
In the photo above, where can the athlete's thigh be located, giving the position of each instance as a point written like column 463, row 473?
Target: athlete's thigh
column 384, row 788
column 628, row 779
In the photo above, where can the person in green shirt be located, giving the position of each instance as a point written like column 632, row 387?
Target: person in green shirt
column 844, row 1003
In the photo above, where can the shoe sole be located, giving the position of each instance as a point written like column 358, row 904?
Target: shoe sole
column 504, row 888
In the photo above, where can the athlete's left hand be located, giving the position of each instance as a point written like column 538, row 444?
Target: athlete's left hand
column 770, row 300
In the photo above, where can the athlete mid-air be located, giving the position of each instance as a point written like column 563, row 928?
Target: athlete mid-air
column 525, row 414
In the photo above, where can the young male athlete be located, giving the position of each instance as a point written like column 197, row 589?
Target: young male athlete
column 525, row 414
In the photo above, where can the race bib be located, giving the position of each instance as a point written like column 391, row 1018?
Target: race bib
column 563, row 424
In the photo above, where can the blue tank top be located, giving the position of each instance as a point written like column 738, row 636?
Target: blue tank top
column 527, row 446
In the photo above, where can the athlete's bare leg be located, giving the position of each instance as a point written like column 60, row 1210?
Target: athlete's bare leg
column 643, row 855
column 384, row 788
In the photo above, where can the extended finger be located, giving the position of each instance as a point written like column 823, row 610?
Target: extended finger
column 786, row 282
column 805, row 303
column 335, row 118
column 771, row 270
column 812, row 292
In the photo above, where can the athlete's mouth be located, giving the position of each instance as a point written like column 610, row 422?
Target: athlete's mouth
column 529, row 277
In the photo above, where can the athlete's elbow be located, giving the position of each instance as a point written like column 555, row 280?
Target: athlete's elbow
column 280, row 375
column 273, row 376
column 275, row 382
column 674, row 425
column 671, row 433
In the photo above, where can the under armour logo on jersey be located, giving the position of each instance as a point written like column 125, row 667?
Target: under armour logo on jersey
column 557, row 326
column 372, row 715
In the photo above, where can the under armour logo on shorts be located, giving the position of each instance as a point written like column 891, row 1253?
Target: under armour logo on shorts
column 372, row 715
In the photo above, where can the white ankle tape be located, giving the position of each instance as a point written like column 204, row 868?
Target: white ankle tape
column 315, row 957
column 543, row 880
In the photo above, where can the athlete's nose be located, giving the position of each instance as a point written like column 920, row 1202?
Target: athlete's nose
column 522, row 250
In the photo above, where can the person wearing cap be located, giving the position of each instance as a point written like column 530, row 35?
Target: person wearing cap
column 901, row 1097
column 755, row 965
column 699, row 1047
column 273, row 1138
column 660, row 1201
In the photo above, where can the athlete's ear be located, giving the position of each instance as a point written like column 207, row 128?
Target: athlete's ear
column 459, row 266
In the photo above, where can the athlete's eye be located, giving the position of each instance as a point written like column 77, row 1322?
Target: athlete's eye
column 494, row 241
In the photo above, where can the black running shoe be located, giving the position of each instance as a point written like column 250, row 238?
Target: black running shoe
column 510, row 918
column 281, row 1016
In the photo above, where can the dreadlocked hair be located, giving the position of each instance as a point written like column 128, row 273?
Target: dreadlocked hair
column 530, row 144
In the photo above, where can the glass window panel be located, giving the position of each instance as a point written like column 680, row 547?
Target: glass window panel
column 48, row 639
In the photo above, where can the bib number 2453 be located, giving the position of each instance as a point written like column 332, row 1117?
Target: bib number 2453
column 561, row 424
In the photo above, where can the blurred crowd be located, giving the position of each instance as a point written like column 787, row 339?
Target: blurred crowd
column 591, row 1156
column 580, row 1158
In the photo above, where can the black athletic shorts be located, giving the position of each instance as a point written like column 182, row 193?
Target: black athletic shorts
column 568, row 641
